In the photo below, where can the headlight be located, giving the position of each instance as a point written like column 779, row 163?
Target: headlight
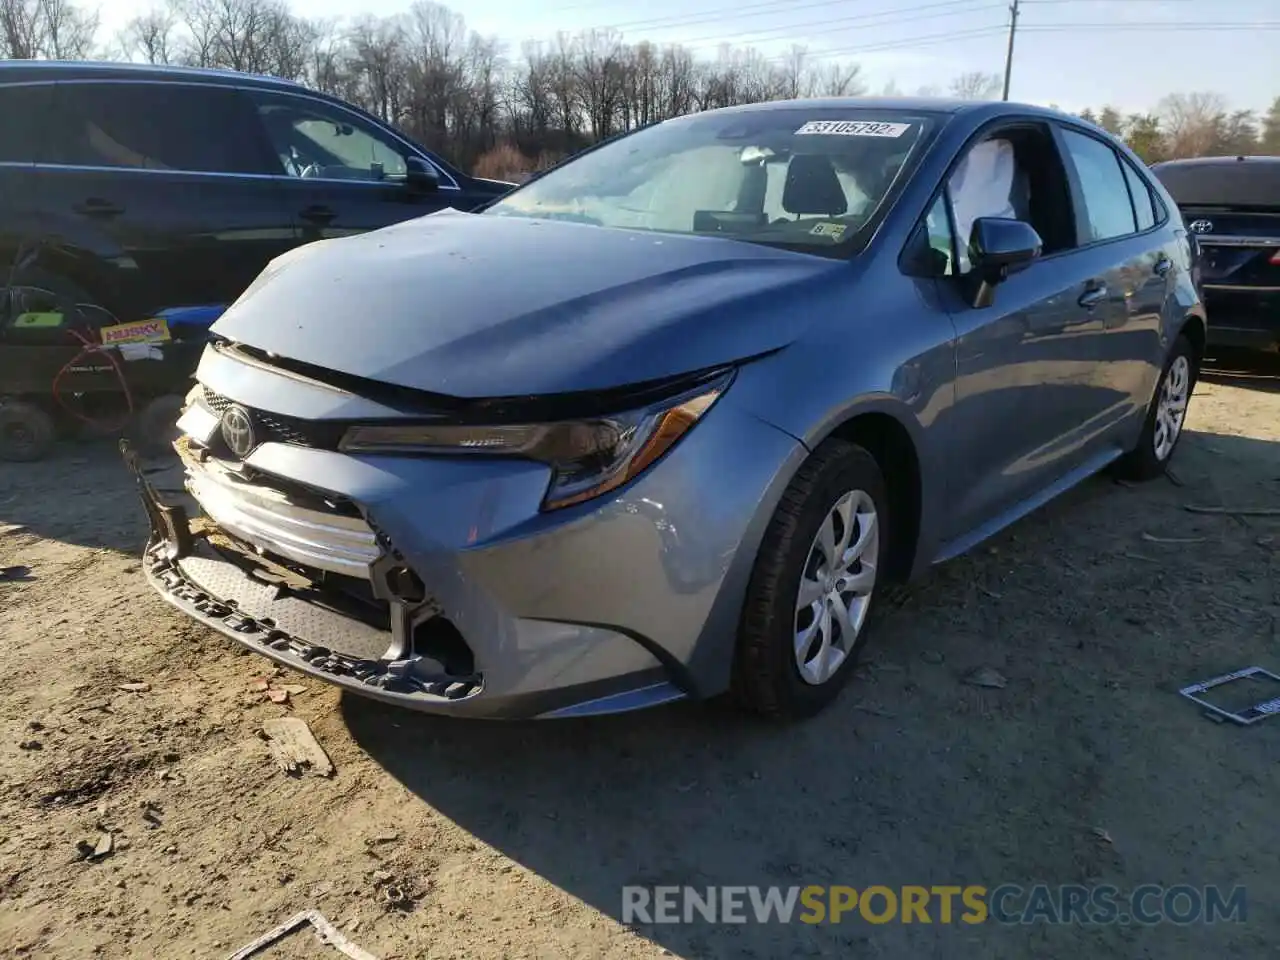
column 587, row 457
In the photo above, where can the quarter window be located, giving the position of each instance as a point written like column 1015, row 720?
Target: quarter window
column 316, row 141
column 942, row 246
column 1108, row 210
column 154, row 126
column 1143, row 201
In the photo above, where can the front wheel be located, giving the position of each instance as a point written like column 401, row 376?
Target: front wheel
column 810, row 593
column 1166, row 416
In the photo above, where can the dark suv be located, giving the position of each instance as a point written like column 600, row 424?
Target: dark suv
column 139, row 188
column 1232, row 207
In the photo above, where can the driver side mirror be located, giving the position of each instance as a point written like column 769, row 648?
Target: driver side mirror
column 998, row 248
column 419, row 176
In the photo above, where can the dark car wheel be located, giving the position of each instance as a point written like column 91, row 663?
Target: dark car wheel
column 155, row 427
column 1165, row 418
column 810, row 594
column 26, row 432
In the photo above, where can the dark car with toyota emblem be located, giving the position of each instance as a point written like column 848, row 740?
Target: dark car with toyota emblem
column 1231, row 205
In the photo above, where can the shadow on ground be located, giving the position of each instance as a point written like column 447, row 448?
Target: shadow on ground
column 82, row 494
column 917, row 777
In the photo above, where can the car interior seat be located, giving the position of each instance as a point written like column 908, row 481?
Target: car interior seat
column 812, row 188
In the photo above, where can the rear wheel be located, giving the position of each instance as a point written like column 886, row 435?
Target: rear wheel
column 1165, row 417
column 811, row 591
column 155, row 427
column 26, row 432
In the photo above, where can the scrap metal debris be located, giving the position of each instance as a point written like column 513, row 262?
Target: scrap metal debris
column 325, row 932
column 295, row 748
column 1234, row 511
column 15, row 574
column 133, row 687
column 1197, row 693
column 1152, row 538
column 986, row 677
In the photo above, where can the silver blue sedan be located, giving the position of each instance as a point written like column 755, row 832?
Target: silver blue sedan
column 664, row 421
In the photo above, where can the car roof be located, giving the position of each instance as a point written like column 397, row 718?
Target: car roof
column 934, row 105
column 1212, row 162
column 20, row 71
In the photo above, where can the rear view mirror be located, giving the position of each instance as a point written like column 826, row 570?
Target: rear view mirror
column 419, row 176
column 998, row 248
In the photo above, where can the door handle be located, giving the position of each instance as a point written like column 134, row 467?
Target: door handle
column 1163, row 266
column 1093, row 295
column 317, row 213
column 98, row 207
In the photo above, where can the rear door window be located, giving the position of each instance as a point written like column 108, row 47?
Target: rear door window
column 156, row 126
column 23, row 112
column 1108, row 210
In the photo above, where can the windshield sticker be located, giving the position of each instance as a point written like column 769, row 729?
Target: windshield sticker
column 833, row 230
column 853, row 128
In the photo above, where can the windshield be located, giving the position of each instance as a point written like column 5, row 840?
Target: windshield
column 795, row 177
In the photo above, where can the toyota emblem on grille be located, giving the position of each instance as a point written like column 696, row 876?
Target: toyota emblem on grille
column 1201, row 226
column 237, row 431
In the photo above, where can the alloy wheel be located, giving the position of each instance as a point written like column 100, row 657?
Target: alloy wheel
column 1171, row 407
column 835, row 586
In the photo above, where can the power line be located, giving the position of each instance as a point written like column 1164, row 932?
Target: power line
column 1167, row 26
column 920, row 41
column 718, row 13
column 894, row 17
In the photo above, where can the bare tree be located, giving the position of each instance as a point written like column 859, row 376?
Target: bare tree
column 975, row 85
column 69, row 30
column 1192, row 122
column 843, row 80
column 149, row 36
column 55, row 29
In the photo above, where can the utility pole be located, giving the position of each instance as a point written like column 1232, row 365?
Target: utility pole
column 1008, row 57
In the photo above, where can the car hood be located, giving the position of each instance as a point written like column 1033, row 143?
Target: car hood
column 491, row 306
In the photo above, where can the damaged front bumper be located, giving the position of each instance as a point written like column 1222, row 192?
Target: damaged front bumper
column 241, row 574
column 180, row 550
column 438, row 583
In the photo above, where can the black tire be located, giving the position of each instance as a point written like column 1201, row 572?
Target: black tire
column 154, row 427
column 27, row 433
column 766, row 676
column 1144, row 461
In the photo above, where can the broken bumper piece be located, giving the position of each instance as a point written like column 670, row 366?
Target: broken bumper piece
column 191, row 576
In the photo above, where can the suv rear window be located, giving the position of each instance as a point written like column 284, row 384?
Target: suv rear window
column 1254, row 182
column 154, row 126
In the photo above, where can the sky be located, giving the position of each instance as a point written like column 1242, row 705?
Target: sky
column 1074, row 53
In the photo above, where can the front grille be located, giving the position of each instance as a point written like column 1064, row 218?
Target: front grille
column 321, row 434
column 295, row 524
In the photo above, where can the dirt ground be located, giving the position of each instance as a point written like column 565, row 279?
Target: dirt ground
column 508, row 841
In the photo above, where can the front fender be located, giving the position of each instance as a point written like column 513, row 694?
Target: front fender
column 818, row 385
